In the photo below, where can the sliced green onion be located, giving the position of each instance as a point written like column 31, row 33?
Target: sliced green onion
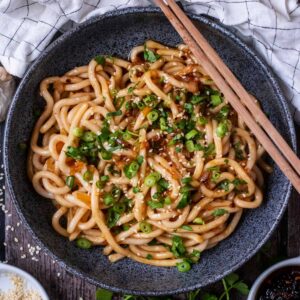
column 145, row 227
column 184, row 266
column 155, row 204
column 136, row 190
column 215, row 100
column 106, row 155
column 99, row 184
column 215, row 176
column 140, row 159
column 126, row 136
column 187, row 227
column 222, row 129
column 70, row 180
column 100, row 59
column 219, row 212
column 116, row 192
column 152, row 116
column 168, row 201
column 151, row 179
column 189, row 107
column 78, row 132
column 87, row 175
column 88, row 136
column 202, row 120
column 108, row 199
column 83, row 243
column 199, row 221
column 190, row 146
column 119, row 208
column 197, row 99
column 149, row 256
column 104, row 178
column 186, row 180
column 141, row 105
column 191, row 134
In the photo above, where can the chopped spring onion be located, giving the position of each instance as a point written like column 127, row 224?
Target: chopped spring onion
column 215, row 100
column 199, row 221
column 136, row 189
column 186, row 180
column 126, row 136
column 191, row 134
column 87, row 175
column 100, row 59
column 152, row 116
column 108, row 199
column 78, row 132
column 187, row 227
column 131, row 169
column 106, row 155
column 104, row 178
column 83, row 243
column 168, row 201
column 145, row 227
column 70, row 180
column 219, row 212
column 222, row 129
column 151, row 179
column 202, row 120
column 184, row 266
column 88, row 136
column 190, row 146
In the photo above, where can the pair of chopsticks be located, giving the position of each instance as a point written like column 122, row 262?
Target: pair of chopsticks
column 234, row 92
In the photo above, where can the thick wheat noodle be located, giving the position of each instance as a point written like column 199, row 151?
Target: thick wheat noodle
column 221, row 183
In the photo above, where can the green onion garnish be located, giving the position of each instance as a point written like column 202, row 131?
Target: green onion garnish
column 215, row 100
column 187, row 227
column 199, row 221
column 191, row 134
column 202, row 120
column 87, row 175
column 168, row 201
column 70, row 180
column 190, row 146
column 152, row 116
column 106, row 155
column 88, row 136
column 184, row 266
column 151, row 179
column 78, row 132
column 222, row 129
column 145, row 227
column 83, row 243
column 100, row 59
column 108, row 199
column 219, row 212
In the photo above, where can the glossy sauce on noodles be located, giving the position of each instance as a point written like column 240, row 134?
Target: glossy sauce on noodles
column 144, row 157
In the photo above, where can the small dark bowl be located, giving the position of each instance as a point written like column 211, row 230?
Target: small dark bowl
column 116, row 33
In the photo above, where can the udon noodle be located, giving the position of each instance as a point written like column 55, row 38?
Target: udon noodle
column 144, row 157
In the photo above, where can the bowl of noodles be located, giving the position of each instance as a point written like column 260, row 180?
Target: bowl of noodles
column 137, row 167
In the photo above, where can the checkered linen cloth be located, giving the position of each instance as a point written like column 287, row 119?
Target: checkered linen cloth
column 271, row 27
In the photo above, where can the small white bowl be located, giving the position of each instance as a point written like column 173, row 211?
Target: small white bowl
column 286, row 263
column 29, row 282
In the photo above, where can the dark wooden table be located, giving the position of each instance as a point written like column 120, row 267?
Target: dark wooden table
column 23, row 252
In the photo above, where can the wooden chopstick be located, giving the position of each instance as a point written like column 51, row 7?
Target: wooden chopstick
column 236, row 86
column 234, row 92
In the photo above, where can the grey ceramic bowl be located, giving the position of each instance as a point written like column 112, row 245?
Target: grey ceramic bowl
column 116, row 33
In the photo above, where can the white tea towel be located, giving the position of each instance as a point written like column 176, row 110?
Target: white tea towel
column 271, row 27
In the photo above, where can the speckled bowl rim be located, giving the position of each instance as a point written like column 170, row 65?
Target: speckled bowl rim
column 139, row 10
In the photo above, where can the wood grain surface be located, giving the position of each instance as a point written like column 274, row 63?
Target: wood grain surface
column 22, row 251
